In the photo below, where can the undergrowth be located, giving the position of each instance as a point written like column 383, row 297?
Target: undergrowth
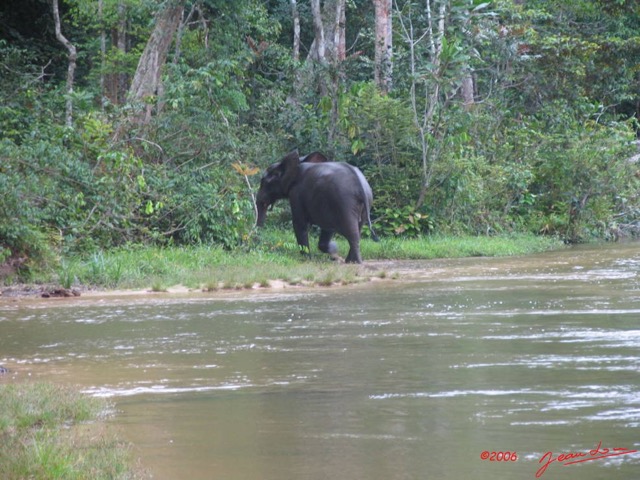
column 55, row 432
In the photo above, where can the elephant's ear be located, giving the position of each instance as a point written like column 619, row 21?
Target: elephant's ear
column 314, row 157
column 290, row 166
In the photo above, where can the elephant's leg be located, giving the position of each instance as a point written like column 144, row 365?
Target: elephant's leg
column 350, row 229
column 325, row 244
column 302, row 236
column 354, row 250
column 352, row 234
column 300, row 226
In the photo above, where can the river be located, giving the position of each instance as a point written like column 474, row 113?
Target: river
column 532, row 362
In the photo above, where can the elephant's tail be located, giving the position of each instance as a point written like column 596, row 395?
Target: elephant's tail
column 367, row 196
column 374, row 237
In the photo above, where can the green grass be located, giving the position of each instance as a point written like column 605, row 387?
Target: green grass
column 54, row 432
column 456, row 247
column 274, row 256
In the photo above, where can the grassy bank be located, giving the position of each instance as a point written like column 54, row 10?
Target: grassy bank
column 274, row 257
column 50, row 432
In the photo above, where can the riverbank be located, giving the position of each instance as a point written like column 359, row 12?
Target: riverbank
column 50, row 431
column 275, row 263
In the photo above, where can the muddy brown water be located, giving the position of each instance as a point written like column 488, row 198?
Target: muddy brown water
column 413, row 378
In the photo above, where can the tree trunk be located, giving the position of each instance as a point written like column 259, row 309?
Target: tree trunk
column 328, row 48
column 73, row 56
column 329, row 23
column 122, row 79
column 116, row 81
column 296, row 30
column 468, row 82
column 147, row 79
column 383, row 74
column 103, row 51
column 339, row 37
column 319, row 46
column 183, row 23
column 468, row 91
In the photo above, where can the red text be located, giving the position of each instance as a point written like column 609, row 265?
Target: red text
column 572, row 458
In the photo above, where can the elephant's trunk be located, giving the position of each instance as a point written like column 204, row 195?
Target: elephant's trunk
column 262, row 214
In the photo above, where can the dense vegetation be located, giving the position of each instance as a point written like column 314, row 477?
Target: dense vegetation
column 497, row 117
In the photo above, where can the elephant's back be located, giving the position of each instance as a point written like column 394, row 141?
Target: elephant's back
column 337, row 177
column 326, row 168
column 337, row 170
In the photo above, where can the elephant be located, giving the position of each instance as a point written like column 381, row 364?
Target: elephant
column 335, row 196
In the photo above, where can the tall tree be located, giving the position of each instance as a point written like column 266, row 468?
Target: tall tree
column 296, row 29
column 384, row 45
column 329, row 27
column 319, row 47
column 73, row 56
column 113, row 18
column 146, row 82
column 120, row 33
column 433, row 83
column 103, row 47
column 339, row 32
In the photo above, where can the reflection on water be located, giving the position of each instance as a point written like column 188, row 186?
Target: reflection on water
column 412, row 378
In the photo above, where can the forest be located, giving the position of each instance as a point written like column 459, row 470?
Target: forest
column 149, row 122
